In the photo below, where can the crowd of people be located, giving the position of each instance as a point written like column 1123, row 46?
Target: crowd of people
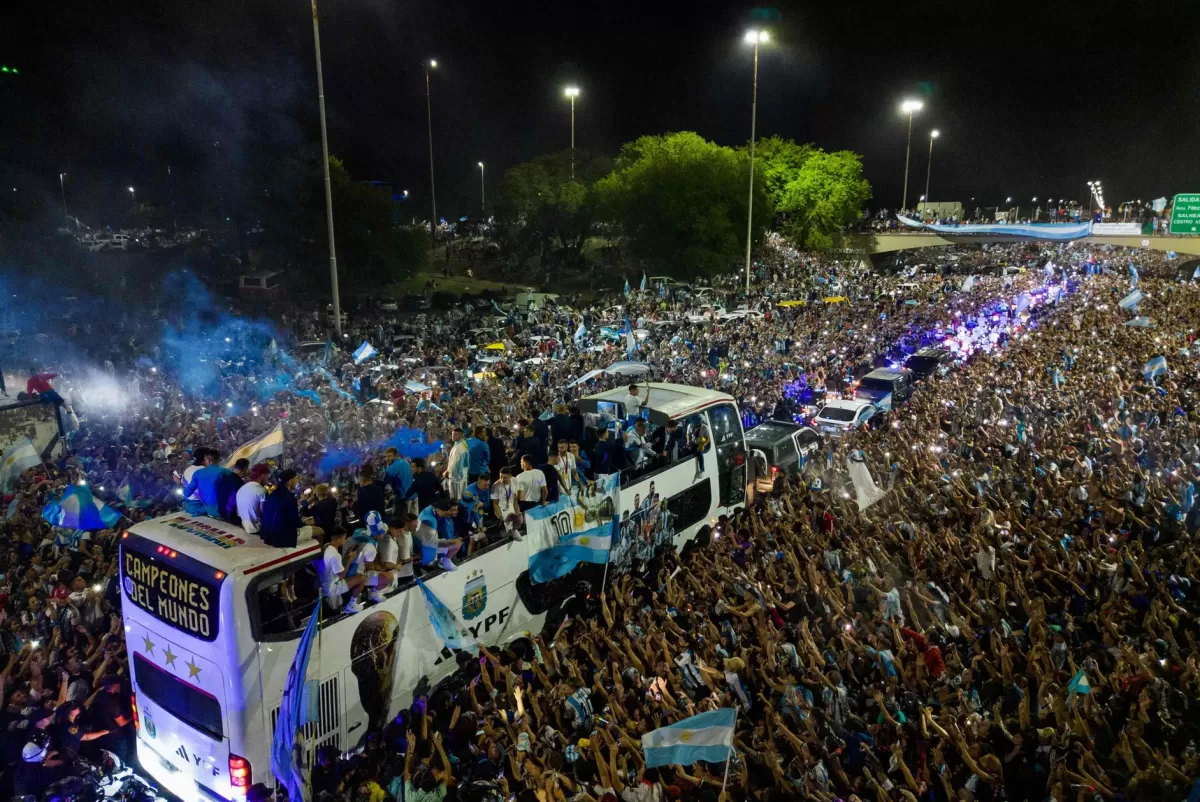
column 1014, row 619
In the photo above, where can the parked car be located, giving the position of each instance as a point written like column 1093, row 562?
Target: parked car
column 780, row 449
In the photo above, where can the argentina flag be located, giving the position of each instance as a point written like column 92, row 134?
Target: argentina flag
column 1131, row 300
column 285, row 758
column 364, row 352
column 580, row 333
column 589, row 546
column 452, row 634
column 1155, row 367
column 707, row 737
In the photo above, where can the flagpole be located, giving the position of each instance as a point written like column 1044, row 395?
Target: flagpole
column 729, row 757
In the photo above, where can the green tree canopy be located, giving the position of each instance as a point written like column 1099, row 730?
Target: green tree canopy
column 542, row 207
column 781, row 161
column 681, row 202
column 827, row 193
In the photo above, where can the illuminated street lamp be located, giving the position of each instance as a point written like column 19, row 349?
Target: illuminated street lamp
column 572, row 92
column 909, row 107
column 934, row 134
column 430, row 65
column 482, row 191
column 752, row 37
column 133, row 195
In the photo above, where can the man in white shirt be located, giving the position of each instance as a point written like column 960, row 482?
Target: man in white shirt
column 504, row 502
column 250, row 498
column 636, row 445
column 530, row 485
column 458, row 464
column 333, row 576
column 366, row 558
column 566, row 468
column 395, row 553
column 632, row 403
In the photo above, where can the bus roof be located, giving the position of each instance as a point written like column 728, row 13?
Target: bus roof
column 671, row 400
column 220, row 545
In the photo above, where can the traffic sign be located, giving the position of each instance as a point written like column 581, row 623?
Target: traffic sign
column 1185, row 214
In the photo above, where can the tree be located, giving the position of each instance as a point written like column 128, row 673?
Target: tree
column 681, row 202
column 781, row 160
column 827, row 193
column 542, row 208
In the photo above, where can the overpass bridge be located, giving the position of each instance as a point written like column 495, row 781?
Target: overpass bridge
column 901, row 241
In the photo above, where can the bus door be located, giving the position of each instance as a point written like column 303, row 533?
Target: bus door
column 730, row 444
column 172, row 623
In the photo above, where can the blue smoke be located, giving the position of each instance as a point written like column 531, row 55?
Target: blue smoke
column 201, row 335
column 411, row 443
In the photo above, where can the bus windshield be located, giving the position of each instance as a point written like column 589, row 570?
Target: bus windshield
column 176, row 589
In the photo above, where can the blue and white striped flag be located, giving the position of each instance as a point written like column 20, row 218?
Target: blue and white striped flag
column 589, row 546
column 628, row 289
column 642, row 287
column 364, row 352
column 1138, row 322
column 1133, row 276
column 968, row 284
column 630, row 344
column 1131, row 300
column 1079, row 684
column 286, row 763
column 580, row 333
column 453, row 634
column 707, row 737
column 1155, row 367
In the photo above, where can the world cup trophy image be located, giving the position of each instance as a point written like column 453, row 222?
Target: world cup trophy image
column 373, row 661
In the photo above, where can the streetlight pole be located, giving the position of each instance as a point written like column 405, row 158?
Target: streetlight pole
column 482, row 192
column 333, row 271
column 929, row 165
column 755, row 38
column 572, row 92
column 133, row 194
column 909, row 107
column 63, row 187
column 429, row 65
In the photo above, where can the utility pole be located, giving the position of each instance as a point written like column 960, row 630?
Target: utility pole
column 333, row 272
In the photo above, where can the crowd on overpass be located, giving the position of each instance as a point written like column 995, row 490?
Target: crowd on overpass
column 1015, row 619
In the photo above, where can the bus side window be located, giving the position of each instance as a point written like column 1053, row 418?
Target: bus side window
column 726, row 427
column 273, row 615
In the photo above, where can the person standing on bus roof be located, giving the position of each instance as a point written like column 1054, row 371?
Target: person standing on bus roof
column 396, row 549
column 458, row 464
column 370, row 494
column 333, row 576
column 206, row 483
column 228, row 487
column 479, row 454
column 632, row 403
column 530, row 485
column 282, row 525
column 435, row 531
column 399, row 477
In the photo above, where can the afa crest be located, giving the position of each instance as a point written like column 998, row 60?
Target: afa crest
column 474, row 596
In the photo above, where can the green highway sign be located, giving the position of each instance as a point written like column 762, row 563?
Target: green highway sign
column 1185, row 214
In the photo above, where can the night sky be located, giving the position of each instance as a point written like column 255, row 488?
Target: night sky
column 1030, row 99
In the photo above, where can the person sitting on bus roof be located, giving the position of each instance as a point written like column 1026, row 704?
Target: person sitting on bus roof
column 334, row 578
column 206, row 484
column 364, row 552
column 191, row 501
column 435, row 531
column 227, row 489
column 282, row 525
column 250, row 496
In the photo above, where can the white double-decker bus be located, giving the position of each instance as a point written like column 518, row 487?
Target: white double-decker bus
column 211, row 635
column 671, row 501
